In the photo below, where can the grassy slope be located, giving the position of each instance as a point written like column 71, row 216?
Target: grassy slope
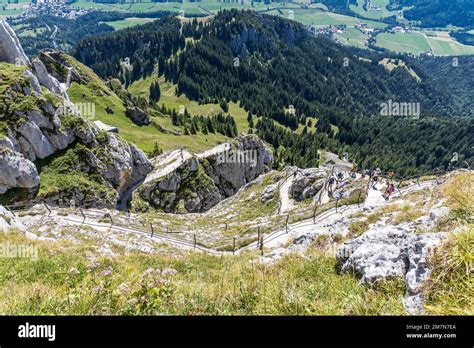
column 417, row 43
column 128, row 22
column 170, row 100
column 143, row 136
column 64, row 281
column 202, row 285
column 9, row 74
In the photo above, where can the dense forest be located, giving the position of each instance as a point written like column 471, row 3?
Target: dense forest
column 145, row 46
column 453, row 74
column 463, row 37
column 438, row 13
column 70, row 31
column 278, row 72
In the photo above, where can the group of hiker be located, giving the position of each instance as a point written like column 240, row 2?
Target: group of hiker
column 373, row 176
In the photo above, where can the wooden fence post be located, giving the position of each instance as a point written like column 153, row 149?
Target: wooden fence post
column 195, row 241
column 111, row 221
column 83, row 215
column 152, row 231
column 233, row 246
column 258, row 238
column 49, row 210
column 286, row 225
column 261, row 245
column 11, row 211
column 400, row 184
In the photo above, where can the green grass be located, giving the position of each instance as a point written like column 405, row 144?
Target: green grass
column 128, row 22
column 315, row 16
column 12, row 9
column 373, row 14
column 172, row 101
column 189, row 8
column 63, row 281
column 416, row 43
column 354, row 37
column 403, row 42
column 144, row 137
column 450, row 288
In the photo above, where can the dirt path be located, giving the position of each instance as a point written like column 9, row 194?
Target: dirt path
column 286, row 202
column 273, row 240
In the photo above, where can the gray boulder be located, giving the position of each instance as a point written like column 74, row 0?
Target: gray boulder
column 269, row 192
column 33, row 81
column 137, row 115
column 307, row 183
column 386, row 252
column 9, row 221
column 36, row 140
column 16, row 171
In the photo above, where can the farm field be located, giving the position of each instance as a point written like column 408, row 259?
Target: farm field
column 7, row 10
column 373, row 14
column 129, row 22
column 204, row 7
column 353, row 36
column 314, row 16
column 418, row 42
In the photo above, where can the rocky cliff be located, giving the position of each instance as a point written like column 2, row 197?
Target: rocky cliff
column 185, row 183
column 38, row 124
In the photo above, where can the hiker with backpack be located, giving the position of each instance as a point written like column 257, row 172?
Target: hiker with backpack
column 331, row 182
column 390, row 189
column 374, row 177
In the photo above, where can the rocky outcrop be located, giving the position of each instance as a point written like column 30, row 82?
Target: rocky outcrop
column 137, row 115
column 60, row 68
column 386, row 252
column 39, row 123
column 135, row 108
column 307, row 183
column 9, row 221
column 16, row 170
column 10, row 48
column 248, row 36
column 269, row 192
column 187, row 183
column 48, row 81
column 123, row 163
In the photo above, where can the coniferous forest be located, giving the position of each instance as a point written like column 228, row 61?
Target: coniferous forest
column 282, row 75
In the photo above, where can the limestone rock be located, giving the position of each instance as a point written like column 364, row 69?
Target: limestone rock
column 307, row 183
column 269, row 192
column 137, row 115
column 10, row 47
column 48, row 81
column 386, row 252
column 204, row 180
column 9, row 221
column 16, row 171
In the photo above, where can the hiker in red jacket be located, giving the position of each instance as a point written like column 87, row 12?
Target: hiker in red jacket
column 390, row 189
